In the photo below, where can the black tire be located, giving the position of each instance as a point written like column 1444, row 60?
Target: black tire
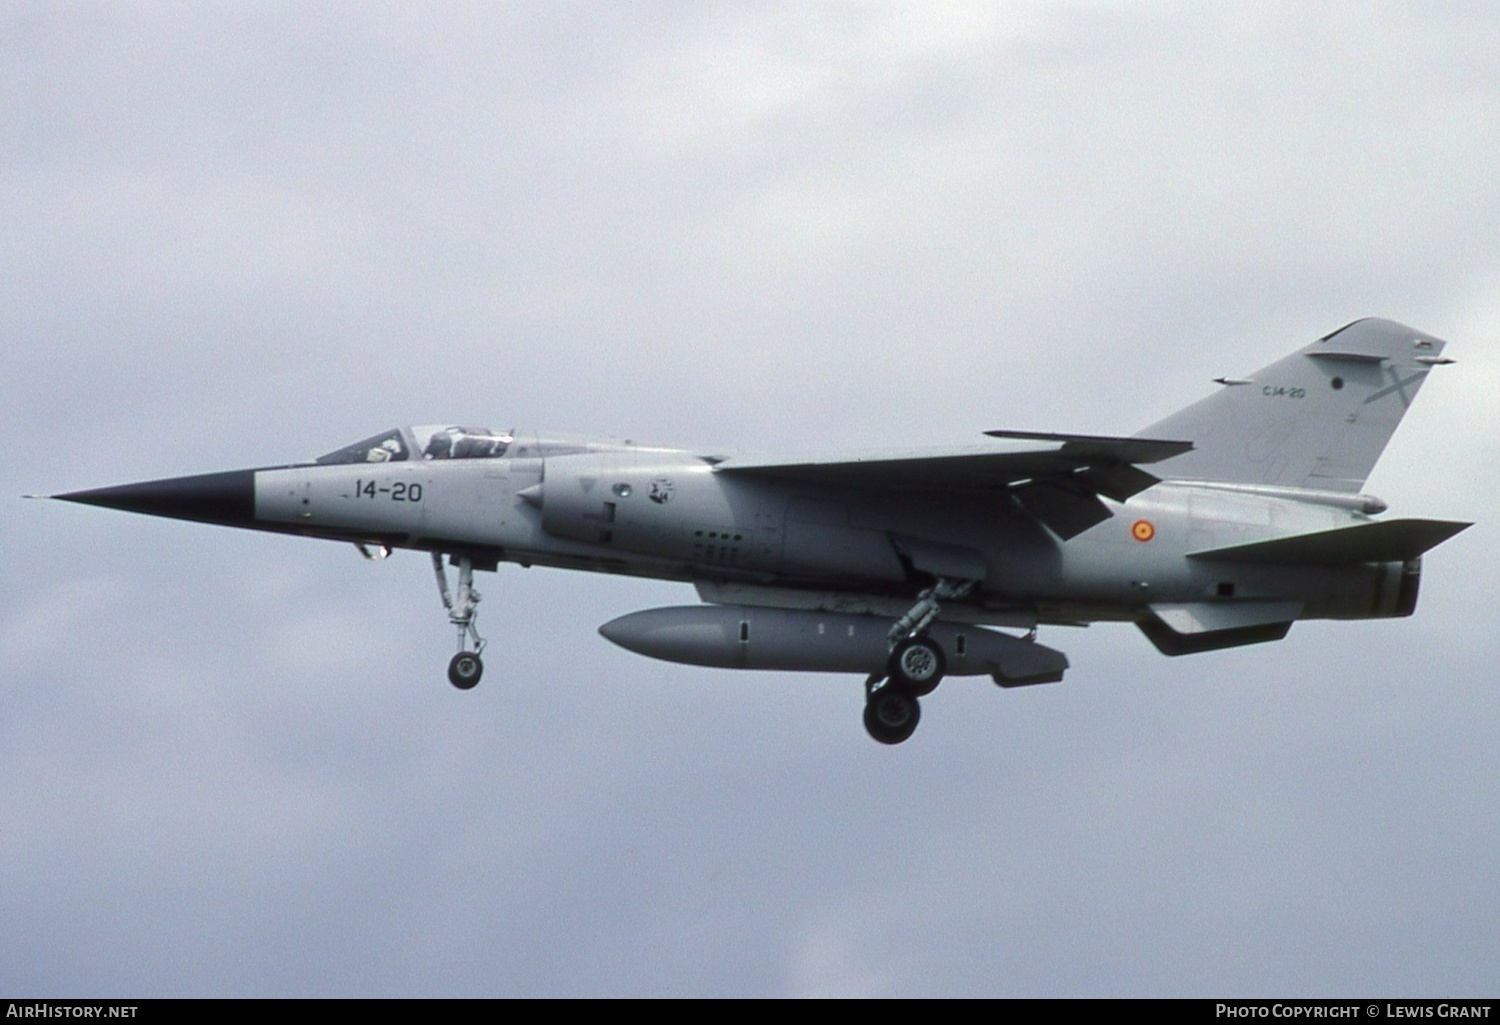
column 892, row 714
column 464, row 670
column 918, row 664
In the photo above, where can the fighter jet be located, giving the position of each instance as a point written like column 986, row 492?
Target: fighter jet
column 1218, row 526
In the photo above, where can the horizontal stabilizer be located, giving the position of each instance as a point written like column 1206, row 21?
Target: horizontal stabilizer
column 1387, row 541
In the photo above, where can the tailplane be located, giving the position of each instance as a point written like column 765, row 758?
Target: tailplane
column 1318, row 418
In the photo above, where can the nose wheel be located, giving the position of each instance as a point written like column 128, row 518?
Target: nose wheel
column 465, row 668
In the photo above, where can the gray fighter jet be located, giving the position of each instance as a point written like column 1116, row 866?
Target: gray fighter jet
column 1218, row 526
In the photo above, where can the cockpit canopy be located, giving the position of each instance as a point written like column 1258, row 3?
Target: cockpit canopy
column 462, row 442
column 429, row 441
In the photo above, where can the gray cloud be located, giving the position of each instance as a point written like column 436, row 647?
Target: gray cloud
column 230, row 764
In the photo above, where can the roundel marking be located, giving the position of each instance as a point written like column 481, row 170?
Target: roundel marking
column 1142, row 530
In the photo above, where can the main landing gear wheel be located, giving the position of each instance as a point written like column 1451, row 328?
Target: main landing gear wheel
column 918, row 664
column 917, row 661
column 892, row 713
column 465, row 669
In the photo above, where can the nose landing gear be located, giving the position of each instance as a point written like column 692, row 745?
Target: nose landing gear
column 465, row 668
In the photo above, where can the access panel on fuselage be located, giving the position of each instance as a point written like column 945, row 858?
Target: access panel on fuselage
column 659, row 505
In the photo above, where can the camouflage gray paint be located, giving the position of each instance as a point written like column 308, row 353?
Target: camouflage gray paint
column 896, row 565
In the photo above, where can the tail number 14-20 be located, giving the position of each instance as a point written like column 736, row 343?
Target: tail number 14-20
column 399, row 491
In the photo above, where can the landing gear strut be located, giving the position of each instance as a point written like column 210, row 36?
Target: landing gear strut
column 913, row 670
column 465, row 668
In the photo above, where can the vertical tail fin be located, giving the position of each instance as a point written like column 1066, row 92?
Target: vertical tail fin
column 1318, row 418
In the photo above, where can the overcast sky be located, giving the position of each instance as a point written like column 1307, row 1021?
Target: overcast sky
column 236, row 235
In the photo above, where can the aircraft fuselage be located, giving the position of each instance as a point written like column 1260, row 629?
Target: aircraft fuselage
column 895, row 564
column 667, row 514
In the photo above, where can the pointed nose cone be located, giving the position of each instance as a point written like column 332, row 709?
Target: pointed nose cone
column 226, row 498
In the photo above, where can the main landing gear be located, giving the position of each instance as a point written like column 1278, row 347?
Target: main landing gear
column 913, row 670
column 465, row 668
column 892, row 711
